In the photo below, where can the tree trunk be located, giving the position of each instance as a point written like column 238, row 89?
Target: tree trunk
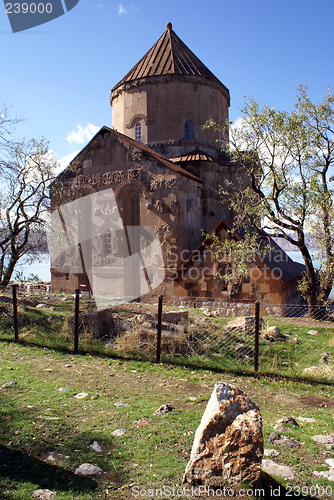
column 312, row 292
column 6, row 277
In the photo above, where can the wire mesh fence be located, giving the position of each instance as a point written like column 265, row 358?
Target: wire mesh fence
column 289, row 340
column 299, row 341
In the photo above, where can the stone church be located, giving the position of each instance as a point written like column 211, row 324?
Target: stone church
column 165, row 169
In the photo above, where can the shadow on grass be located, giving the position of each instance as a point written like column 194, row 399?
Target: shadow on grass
column 275, row 491
column 170, row 360
column 19, row 467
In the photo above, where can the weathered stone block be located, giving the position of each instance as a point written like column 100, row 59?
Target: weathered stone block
column 228, row 442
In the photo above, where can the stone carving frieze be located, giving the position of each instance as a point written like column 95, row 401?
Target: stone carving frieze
column 157, row 184
column 93, row 180
column 108, row 177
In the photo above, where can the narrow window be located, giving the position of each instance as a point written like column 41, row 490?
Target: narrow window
column 189, row 130
column 224, row 215
column 107, row 246
column 138, row 132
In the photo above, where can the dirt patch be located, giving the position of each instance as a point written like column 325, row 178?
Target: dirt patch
column 316, row 402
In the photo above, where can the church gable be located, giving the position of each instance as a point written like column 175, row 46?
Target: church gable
column 111, row 159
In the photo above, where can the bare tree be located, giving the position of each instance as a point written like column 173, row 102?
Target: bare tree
column 26, row 171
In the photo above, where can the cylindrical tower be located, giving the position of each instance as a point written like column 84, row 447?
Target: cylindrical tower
column 167, row 97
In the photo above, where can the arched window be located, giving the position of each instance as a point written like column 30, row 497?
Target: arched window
column 138, row 132
column 189, row 130
column 224, row 215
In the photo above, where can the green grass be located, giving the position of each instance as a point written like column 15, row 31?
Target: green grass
column 36, row 418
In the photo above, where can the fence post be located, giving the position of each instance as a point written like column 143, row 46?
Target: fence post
column 15, row 317
column 76, row 321
column 256, row 336
column 159, row 329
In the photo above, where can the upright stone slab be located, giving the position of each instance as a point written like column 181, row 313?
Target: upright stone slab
column 228, row 442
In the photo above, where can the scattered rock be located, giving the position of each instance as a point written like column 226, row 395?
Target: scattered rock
column 121, row 403
column 143, row 422
column 313, row 332
column 96, row 324
column 119, row 432
column 308, row 420
column 164, row 409
column 281, row 428
column 202, row 321
column 228, row 442
column 125, row 326
column 326, row 474
column 278, row 440
column 289, row 421
column 96, row 447
column 41, row 306
column 270, row 453
column 330, row 462
column 324, row 360
column 43, row 494
column 81, row 395
column 173, row 316
column 62, row 389
column 323, row 439
column 245, row 324
column 310, row 369
column 273, row 334
column 273, row 436
column 278, row 470
column 9, row 383
column 54, row 456
column 87, row 470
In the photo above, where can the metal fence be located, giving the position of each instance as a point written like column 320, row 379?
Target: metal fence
column 290, row 340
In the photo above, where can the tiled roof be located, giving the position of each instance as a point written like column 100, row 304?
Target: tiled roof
column 169, row 56
column 195, row 156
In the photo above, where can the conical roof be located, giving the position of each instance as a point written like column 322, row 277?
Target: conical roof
column 169, row 56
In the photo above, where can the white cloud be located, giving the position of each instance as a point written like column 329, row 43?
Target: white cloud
column 237, row 123
column 82, row 134
column 65, row 160
column 122, row 10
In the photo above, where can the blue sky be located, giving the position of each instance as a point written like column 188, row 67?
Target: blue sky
column 58, row 76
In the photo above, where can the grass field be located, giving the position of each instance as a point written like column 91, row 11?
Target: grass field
column 40, row 416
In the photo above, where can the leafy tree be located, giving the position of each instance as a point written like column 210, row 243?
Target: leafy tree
column 289, row 157
column 26, row 170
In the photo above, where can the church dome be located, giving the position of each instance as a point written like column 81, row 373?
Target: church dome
column 167, row 96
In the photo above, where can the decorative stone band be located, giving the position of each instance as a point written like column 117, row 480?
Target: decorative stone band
column 108, row 177
column 121, row 177
column 169, row 79
column 157, row 184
